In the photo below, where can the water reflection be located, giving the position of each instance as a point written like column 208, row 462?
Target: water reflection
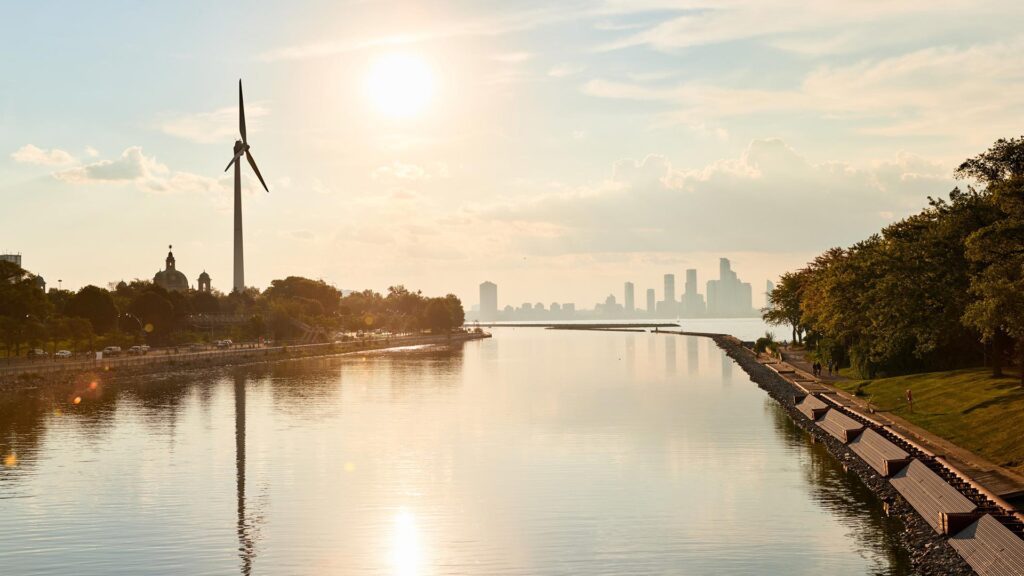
column 246, row 543
column 671, row 342
column 535, row 452
column 843, row 494
column 692, row 362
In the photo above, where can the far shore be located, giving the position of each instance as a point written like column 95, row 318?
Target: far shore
column 32, row 376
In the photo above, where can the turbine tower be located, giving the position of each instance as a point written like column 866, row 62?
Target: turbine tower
column 241, row 147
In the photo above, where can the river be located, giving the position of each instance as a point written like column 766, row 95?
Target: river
column 534, row 452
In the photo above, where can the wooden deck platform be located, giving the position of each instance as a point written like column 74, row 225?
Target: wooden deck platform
column 929, row 494
column 839, row 425
column 884, row 456
column 990, row 548
column 812, row 407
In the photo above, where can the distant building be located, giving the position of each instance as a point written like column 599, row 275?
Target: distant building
column 628, row 300
column 727, row 296
column 568, row 309
column 667, row 308
column 488, row 301
column 170, row 278
column 769, row 287
column 651, row 301
column 12, row 258
column 692, row 301
column 204, row 282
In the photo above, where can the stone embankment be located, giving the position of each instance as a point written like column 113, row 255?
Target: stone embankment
column 931, row 554
column 57, row 372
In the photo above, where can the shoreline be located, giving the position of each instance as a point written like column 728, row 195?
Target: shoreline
column 930, row 552
column 121, row 367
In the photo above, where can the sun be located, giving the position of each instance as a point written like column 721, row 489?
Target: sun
column 400, row 85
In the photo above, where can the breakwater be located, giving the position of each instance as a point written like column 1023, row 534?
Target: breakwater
column 988, row 536
column 46, row 372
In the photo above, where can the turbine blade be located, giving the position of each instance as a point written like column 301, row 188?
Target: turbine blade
column 233, row 160
column 241, row 113
column 256, row 170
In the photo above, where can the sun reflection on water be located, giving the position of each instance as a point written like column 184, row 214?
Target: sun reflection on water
column 406, row 555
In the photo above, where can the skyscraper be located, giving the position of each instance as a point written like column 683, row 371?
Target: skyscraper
column 628, row 300
column 692, row 301
column 727, row 296
column 488, row 301
column 651, row 301
column 668, row 307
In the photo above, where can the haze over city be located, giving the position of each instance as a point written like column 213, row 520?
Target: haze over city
column 557, row 150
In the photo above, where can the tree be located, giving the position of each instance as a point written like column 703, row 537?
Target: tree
column 23, row 306
column 95, row 305
column 153, row 309
column 998, row 249
column 784, row 302
column 437, row 316
column 455, row 310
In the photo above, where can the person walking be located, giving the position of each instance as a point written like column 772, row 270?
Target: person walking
column 910, row 399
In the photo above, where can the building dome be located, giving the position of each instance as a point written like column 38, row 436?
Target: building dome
column 170, row 278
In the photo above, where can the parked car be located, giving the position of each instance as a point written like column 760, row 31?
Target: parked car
column 112, row 351
column 37, row 353
column 63, row 354
column 224, row 343
column 144, row 348
column 135, row 350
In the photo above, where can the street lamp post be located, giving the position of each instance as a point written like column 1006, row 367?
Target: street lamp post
column 142, row 331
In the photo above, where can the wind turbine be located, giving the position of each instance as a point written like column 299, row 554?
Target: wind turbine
column 241, row 147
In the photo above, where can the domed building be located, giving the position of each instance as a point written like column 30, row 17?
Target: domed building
column 169, row 278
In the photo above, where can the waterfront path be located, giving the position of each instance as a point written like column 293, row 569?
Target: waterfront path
column 1000, row 481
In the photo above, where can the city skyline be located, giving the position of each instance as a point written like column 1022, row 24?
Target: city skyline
column 731, row 298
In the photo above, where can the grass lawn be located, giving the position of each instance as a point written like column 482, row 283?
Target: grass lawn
column 968, row 407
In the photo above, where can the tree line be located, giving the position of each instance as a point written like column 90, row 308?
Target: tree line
column 140, row 312
column 938, row 290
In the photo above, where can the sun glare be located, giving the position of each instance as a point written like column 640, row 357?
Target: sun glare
column 400, row 85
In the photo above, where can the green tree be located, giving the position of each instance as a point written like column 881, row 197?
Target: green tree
column 97, row 306
column 998, row 249
column 784, row 303
column 437, row 316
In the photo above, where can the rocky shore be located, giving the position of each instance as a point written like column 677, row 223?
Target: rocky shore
column 930, row 554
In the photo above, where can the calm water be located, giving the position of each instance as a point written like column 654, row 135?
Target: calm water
column 535, row 452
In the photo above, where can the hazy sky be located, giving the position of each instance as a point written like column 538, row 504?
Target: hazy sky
column 555, row 148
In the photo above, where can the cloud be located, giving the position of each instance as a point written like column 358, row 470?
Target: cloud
column 512, row 57
column 495, row 24
column 920, row 93
column 564, row 70
column 29, row 154
column 832, row 25
column 135, row 167
column 770, row 197
column 212, row 127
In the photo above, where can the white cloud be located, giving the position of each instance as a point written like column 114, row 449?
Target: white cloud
column 787, row 23
column 134, row 167
column 512, row 57
column 962, row 93
column 212, row 127
column 770, row 197
column 563, row 70
column 29, row 154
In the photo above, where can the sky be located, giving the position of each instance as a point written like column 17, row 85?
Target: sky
column 557, row 149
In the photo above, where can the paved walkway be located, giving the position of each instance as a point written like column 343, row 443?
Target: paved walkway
column 1005, row 483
